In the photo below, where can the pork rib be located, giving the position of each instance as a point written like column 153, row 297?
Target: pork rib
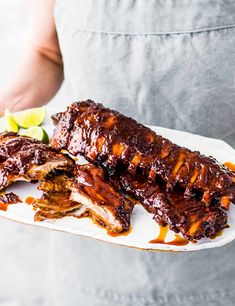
column 87, row 193
column 104, row 203
column 56, row 205
column 26, row 159
column 190, row 217
column 114, row 141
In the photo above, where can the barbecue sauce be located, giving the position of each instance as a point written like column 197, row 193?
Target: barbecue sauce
column 7, row 199
column 178, row 241
column 217, row 235
column 3, row 206
column 230, row 166
column 126, row 233
column 30, row 200
column 162, row 235
column 101, row 224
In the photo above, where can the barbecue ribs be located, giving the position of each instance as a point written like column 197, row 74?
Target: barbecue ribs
column 56, row 205
column 26, row 159
column 180, row 187
column 87, row 193
column 190, row 217
column 111, row 140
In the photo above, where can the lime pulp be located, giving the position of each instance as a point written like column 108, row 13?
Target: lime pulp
column 10, row 124
column 30, row 117
column 36, row 132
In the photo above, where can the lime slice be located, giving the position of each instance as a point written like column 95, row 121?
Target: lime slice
column 30, row 117
column 36, row 132
column 10, row 124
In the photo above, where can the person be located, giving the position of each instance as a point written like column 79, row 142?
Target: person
column 168, row 63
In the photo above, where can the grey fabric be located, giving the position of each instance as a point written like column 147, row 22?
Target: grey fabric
column 183, row 81
column 168, row 63
column 146, row 17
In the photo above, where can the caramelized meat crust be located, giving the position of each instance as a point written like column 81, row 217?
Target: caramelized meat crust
column 111, row 140
column 104, row 203
column 191, row 217
column 26, row 159
column 180, row 187
column 9, row 198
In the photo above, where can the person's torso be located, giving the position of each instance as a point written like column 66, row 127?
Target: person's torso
column 167, row 63
column 153, row 60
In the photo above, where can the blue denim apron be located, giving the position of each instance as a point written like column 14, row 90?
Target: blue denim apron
column 168, row 63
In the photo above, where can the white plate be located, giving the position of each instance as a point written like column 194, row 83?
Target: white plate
column 144, row 228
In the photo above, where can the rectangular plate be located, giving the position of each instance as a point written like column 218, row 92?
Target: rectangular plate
column 144, row 228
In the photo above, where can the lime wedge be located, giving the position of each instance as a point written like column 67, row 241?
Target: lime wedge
column 36, row 132
column 10, row 124
column 30, row 117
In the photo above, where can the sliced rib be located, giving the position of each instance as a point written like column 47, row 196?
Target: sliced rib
column 26, row 159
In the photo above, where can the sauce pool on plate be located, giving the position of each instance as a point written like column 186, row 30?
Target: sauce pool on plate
column 3, row 206
column 162, row 235
column 29, row 200
column 230, row 166
column 178, row 241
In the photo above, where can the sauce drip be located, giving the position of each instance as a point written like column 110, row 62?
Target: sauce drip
column 3, row 206
column 30, row 200
column 126, row 233
column 162, row 235
column 178, row 241
column 218, row 234
column 230, row 166
column 99, row 223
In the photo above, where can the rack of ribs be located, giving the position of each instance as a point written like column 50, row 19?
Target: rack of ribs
column 114, row 141
column 85, row 194
column 188, row 216
column 26, row 159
